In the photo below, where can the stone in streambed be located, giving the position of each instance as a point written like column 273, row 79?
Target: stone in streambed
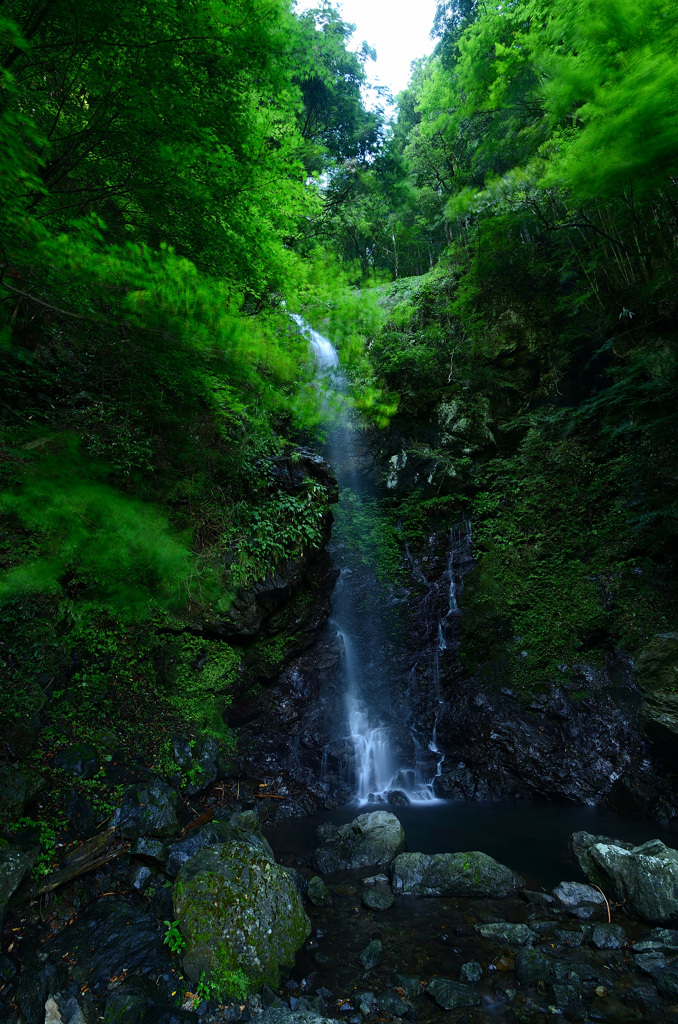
column 409, row 983
column 372, row 954
column 645, row 877
column 532, row 966
column 450, row 995
column 238, row 911
column 470, row 972
column 453, row 874
column 506, row 933
column 608, row 936
column 391, row 1002
column 369, row 841
column 665, row 940
column 378, row 899
column 318, row 893
column 576, row 894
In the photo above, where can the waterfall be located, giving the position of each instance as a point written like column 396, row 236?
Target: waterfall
column 375, row 719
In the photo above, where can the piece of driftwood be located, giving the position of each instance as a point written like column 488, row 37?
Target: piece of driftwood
column 85, row 857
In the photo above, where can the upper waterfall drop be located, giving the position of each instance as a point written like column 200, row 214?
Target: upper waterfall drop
column 381, row 748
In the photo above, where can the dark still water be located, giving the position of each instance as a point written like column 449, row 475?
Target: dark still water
column 531, row 838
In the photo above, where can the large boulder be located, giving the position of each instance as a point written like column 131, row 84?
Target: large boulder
column 645, row 877
column 453, row 874
column 241, row 916
column 369, row 841
column 657, row 674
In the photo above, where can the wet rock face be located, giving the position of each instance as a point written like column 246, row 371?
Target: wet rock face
column 646, row 876
column 555, row 748
column 369, row 841
column 657, row 674
column 241, row 915
column 453, row 874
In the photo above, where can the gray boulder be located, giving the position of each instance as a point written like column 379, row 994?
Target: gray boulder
column 645, row 877
column 241, row 916
column 369, row 841
column 453, row 874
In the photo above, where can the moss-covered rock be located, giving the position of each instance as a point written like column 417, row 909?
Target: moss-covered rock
column 453, row 874
column 369, row 841
column 241, row 916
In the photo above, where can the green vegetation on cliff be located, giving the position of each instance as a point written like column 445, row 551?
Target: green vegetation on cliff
column 532, row 166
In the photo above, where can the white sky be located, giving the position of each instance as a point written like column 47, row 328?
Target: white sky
column 397, row 29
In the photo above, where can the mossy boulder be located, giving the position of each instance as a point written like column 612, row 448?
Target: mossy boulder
column 241, row 916
column 453, row 874
column 371, row 840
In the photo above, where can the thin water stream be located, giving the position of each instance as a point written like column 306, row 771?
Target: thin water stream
column 377, row 771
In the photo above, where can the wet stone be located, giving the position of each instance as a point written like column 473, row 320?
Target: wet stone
column 391, row 1002
column 378, row 899
column 571, row 937
column 345, row 890
column 663, row 939
column 574, row 894
column 450, row 995
column 367, row 1002
column 509, row 934
column 376, row 880
column 470, row 972
column 318, row 893
column 372, row 954
column 667, row 983
column 532, row 966
column 409, row 983
column 650, row 963
column 608, row 936
column 538, row 899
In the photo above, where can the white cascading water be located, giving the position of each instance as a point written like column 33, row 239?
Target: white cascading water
column 376, row 772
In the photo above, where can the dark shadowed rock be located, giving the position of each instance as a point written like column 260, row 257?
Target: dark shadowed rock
column 450, row 995
column 149, row 809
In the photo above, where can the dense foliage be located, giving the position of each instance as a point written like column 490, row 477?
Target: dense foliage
column 159, row 172
column 533, row 161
